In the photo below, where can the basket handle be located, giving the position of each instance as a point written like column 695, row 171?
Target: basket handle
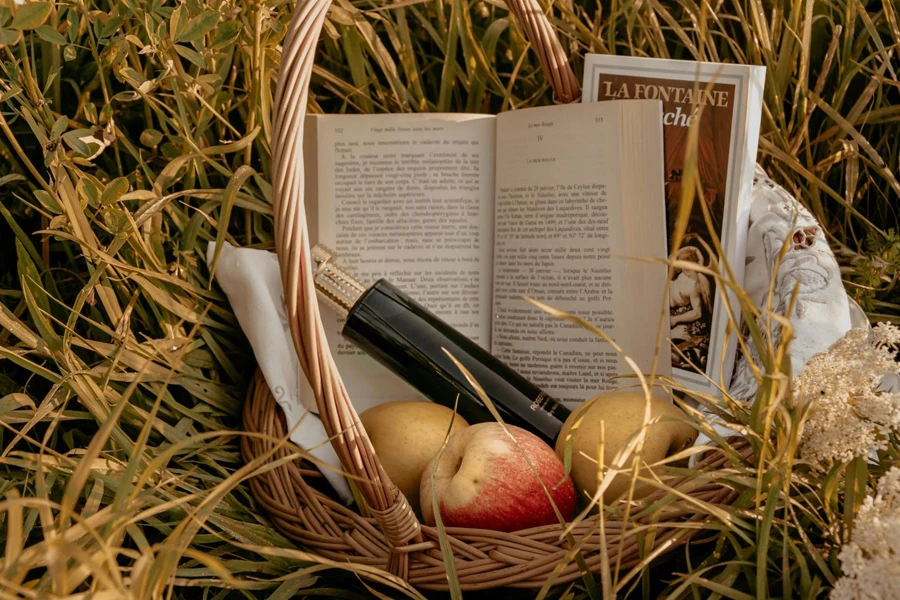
column 392, row 512
column 550, row 53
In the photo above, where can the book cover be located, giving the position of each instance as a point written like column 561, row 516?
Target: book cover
column 724, row 101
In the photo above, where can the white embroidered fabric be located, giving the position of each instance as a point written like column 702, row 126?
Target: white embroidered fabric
column 787, row 250
column 822, row 313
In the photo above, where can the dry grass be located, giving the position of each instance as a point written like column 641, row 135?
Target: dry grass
column 122, row 369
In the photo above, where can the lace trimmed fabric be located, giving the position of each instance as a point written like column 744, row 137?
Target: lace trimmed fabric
column 787, row 250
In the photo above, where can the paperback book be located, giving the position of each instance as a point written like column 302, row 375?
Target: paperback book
column 723, row 102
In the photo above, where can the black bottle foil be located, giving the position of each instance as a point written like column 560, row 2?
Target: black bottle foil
column 408, row 339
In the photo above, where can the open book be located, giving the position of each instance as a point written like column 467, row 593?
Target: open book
column 724, row 103
column 469, row 213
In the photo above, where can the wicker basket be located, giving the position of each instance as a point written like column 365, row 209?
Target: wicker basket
column 392, row 538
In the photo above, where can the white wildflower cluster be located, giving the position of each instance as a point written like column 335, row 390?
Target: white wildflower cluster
column 885, row 334
column 871, row 561
column 849, row 415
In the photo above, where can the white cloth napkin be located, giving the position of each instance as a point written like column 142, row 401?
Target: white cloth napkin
column 252, row 281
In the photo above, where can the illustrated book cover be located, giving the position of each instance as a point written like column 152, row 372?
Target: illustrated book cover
column 724, row 103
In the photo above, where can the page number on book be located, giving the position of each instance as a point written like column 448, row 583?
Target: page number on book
column 598, row 119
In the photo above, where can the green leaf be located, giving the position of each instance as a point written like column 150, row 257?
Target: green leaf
column 178, row 21
column 90, row 113
column 7, row 179
column 170, row 151
column 191, row 55
column 31, row 15
column 8, row 37
column 151, row 138
column 87, row 189
column 133, row 77
column 74, row 21
column 115, row 190
column 199, row 26
column 5, row 16
column 48, row 202
column 115, row 220
column 72, row 138
column 211, row 80
column 50, row 34
column 59, row 127
column 111, row 27
column 226, row 34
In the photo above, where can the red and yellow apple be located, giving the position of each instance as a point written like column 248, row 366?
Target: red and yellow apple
column 482, row 480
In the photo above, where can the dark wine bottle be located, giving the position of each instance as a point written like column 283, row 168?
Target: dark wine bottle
column 411, row 341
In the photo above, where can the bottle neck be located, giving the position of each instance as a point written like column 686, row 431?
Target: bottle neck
column 336, row 287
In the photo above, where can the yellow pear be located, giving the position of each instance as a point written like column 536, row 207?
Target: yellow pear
column 620, row 414
column 406, row 435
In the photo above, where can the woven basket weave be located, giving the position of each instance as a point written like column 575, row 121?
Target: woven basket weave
column 392, row 538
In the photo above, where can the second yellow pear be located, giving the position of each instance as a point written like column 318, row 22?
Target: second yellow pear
column 620, row 414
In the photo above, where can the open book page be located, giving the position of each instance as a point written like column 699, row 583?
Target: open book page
column 408, row 198
column 724, row 103
column 578, row 188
